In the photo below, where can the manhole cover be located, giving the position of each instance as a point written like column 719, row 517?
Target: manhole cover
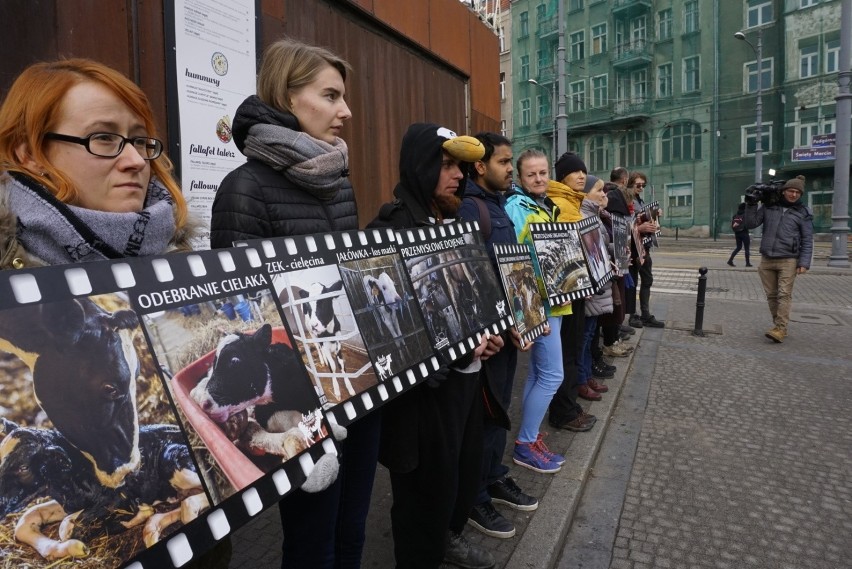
column 811, row 318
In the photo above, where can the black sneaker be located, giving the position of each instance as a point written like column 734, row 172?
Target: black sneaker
column 627, row 329
column 604, row 365
column 653, row 322
column 635, row 321
column 462, row 553
column 489, row 521
column 601, row 372
column 508, row 493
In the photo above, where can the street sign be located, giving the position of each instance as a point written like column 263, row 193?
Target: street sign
column 811, row 154
column 823, row 140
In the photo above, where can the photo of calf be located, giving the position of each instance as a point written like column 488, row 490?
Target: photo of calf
column 386, row 311
column 563, row 264
column 597, row 256
column 93, row 465
column 517, row 274
column 240, row 386
column 327, row 337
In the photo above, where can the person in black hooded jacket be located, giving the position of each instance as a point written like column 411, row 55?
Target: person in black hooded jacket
column 432, row 435
column 294, row 183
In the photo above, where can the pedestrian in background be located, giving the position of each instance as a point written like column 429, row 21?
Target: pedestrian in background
column 741, row 235
column 786, row 249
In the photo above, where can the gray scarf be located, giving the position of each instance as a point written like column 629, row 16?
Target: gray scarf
column 315, row 166
column 60, row 233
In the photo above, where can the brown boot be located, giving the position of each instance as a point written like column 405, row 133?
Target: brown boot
column 588, row 393
column 777, row 335
column 597, row 386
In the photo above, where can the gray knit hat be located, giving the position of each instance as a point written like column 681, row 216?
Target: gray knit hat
column 590, row 183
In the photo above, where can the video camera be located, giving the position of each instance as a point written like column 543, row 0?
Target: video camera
column 767, row 193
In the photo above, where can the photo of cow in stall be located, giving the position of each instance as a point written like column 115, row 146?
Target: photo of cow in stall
column 386, row 311
column 517, row 274
column 457, row 290
column 93, row 465
column 327, row 337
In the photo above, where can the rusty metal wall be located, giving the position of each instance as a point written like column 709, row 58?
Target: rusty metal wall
column 412, row 62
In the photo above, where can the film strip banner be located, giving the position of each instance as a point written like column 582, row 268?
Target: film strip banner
column 455, row 285
column 594, row 240
column 650, row 212
column 562, row 261
column 114, row 342
column 621, row 231
column 517, row 274
column 354, row 317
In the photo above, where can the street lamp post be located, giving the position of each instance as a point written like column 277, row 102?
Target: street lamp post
column 552, row 112
column 758, row 146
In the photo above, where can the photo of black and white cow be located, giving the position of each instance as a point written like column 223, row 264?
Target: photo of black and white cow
column 326, row 334
column 89, row 444
column 562, row 263
column 385, row 309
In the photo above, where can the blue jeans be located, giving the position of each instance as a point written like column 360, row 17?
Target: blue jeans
column 544, row 378
column 585, row 368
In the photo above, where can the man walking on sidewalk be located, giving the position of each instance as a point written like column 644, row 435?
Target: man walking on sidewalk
column 484, row 201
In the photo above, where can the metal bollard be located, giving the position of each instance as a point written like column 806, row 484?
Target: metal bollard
column 699, row 303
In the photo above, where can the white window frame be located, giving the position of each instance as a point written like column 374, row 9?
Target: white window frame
column 600, row 91
column 666, row 80
column 543, row 103
column 501, row 37
column 638, row 31
column 757, row 11
column 502, row 85
column 578, row 96
column 639, row 86
column 598, row 154
column 678, row 140
column 832, row 56
column 504, row 128
column 807, row 3
column 598, row 38
column 665, row 27
column 523, row 25
column 685, row 88
column 809, row 62
column 750, row 72
column 526, row 112
column 691, row 17
column 578, row 45
column 525, row 68
column 746, row 136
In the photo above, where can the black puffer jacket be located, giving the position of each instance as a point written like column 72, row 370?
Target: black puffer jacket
column 256, row 201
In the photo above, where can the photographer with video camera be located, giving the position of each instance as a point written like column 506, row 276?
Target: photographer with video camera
column 786, row 247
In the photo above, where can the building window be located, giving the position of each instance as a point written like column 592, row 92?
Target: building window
column 598, row 154
column 599, row 39
column 806, row 132
column 578, row 96
column 600, row 91
column 501, row 36
column 681, row 141
column 832, row 56
column 578, row 45
column 503, row 128
column 751, row 75
column 526, row 119
column 634, row 148
column 690, row 16
column 524, row 25
column 808, row 61
column 502, row 86
column 664, row 24
column 574, row 5
column 543, row 61
column 691, row 74
column 638, row 32
column 749, row 139
column 540, row 13
column 525, row 67
column 664, row 80
column 544, row 114
column 807, row 3
column 759, row 12
column 679, row 197
column 639, row 85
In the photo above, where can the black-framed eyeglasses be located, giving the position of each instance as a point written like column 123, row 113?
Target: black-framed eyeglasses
column 638, row 185
column 110, row 145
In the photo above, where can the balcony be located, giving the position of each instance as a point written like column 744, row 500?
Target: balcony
column 546, row 74
column 633, row 53
column 632, row 109
column 630, row 8
column 547, row 27
column 620, row 112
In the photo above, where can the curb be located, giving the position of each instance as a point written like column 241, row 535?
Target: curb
column 541, row 544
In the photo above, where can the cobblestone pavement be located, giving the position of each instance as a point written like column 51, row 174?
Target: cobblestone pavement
column 743, row 457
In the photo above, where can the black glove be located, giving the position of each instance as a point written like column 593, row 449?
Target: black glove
column 438, row 376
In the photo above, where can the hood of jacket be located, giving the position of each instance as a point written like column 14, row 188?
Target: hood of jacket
column 253, row 111
column 567, row 199
column 420, row 160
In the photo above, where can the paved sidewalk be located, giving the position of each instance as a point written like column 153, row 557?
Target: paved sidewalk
column 700, row 371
